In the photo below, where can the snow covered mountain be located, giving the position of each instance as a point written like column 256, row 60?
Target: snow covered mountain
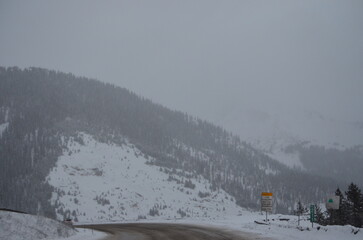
column 96, row 181
column 298, row 137
column 41, row 110
column 276, row 127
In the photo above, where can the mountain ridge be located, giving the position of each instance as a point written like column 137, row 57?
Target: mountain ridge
column 42, row 106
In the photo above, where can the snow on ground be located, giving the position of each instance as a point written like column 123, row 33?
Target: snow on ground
column 106, row 183
column 96, row 181
column 18, row 226
column 82, row 234
column 287, row 230
column 3, row 126
column 278, row 228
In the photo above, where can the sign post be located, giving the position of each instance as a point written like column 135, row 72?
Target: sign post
column 312, row 215
column 266, row 203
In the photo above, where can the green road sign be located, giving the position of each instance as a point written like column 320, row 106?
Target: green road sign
column 312, row 213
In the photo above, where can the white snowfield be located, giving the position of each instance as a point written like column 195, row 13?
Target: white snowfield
column 18, row 226
column 104, row 183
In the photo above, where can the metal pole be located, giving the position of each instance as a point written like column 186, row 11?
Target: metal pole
column 266, row 216
column 298, row 219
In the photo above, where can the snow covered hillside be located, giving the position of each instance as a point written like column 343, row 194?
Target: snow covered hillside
column 95, row 181
column 18, row 226
column 294, row 125
column 273, row 129
column 61, row 104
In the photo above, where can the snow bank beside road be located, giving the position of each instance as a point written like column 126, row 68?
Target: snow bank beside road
column 276, row 229
column 287, row 230
column 283, row 230
column 18, row 226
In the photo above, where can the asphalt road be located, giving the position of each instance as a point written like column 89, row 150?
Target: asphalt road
column 158, row 231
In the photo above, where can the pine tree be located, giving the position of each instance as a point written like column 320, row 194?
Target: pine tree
column 300, row 209
column 355, row 205
column 341, row 217
column 320, row 218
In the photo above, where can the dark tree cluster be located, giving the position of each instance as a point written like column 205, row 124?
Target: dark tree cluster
column 350, row 209
column 330, row 161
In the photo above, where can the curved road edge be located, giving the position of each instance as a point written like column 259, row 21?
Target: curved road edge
column 170, row 231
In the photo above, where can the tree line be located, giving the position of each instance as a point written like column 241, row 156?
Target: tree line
column 350, row 210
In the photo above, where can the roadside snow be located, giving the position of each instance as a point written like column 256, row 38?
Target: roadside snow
column 88, row 234
column 278, row 228
column 287, row 230
column 18, row 226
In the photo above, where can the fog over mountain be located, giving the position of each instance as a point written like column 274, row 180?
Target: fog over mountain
column 273, row 72
column 62, row 136
column 181, row 119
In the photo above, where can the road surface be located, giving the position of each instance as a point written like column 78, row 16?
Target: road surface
column 159, row 231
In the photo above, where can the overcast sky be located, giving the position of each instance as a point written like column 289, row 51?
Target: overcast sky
column 208, row 58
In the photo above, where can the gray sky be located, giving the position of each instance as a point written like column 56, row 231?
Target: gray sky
column 208, row 58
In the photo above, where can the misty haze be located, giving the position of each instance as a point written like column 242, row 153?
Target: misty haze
column 181, row 119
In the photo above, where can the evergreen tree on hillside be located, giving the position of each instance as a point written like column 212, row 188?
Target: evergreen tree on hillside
column 355, row 205
column 341, row 217
column 338, row 216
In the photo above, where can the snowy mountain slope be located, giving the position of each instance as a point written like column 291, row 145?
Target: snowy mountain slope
column 42, row 106
column 95, row 181
column 18, row 226
column 316, row 144
column 273, row 129
column 296, row 125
